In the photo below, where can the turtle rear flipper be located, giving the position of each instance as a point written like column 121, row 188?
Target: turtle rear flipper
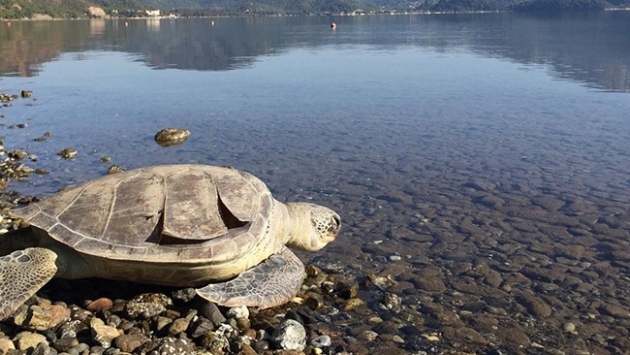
column 22, row 274
column 273, row 282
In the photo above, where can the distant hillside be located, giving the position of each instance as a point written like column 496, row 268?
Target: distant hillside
column 15, row 9
column 560, row 5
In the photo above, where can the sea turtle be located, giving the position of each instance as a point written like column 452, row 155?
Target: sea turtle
column 211, row 227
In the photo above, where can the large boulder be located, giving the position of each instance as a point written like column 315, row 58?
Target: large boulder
column 96, row 12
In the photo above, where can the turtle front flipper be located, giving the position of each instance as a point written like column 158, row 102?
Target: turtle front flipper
column 273, row 282
column 22, row 274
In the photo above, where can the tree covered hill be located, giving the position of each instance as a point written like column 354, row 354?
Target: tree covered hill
column 15, row 9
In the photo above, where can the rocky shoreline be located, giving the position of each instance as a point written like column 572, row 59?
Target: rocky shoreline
column 524, row 274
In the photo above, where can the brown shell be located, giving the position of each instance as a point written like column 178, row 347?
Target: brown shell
column 171, row 213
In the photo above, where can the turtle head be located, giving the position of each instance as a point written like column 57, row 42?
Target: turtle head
column 312, row 226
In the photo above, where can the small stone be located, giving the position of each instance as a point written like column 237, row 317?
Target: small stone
column 201, row 327
column 185, row 295
column 395, row 258
column 68, row 153
column 99, row 305
column 321, row 341
column 28, row 340
column 115, row 169
column 615, row 311
column 433, row 337
column 368, row 335
column 464, row 335
column 315, row 301
column 381, row 282
column 398, row 339
column 17, row 154
column 211, row 311
column 238, row 312
column 171, row 136
column 535, row 305
column 569, row 328
column 174, row 346
column 243, row 324
column 313, row 271
column 375, row 320
column 391, row 302
column 103, row 334
column 352, row 303
column 5, row 345
column 26, row 94
column 347, row 290
column 147, row 305
column 129, row 342
column 260, row 346
column 216, row 342
column 246, row 349
column 42, row 317
column 178, row 326
column 105, row 159
column 289, row 335
column 65, row 344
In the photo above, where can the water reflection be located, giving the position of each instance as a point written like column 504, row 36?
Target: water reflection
column 592, row 48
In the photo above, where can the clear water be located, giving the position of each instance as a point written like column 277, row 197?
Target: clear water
column 387, row 119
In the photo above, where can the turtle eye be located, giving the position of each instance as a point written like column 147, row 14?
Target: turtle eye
column 335, row 223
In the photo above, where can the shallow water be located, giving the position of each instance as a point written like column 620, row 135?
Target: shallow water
column 488, row 139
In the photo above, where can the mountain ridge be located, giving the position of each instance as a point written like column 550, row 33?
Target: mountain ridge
column 33, row 9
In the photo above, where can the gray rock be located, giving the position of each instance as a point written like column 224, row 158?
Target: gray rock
column 70, row 329
column 171, row 136
column 185, row 295
column 65, row 344
column 289, row 335
column 534, row 305
column 148, row 305
column 238, row 312
column 615, row 311
column 464, row 335
column 367, row 336
column 17, row 154
column 43, row 349
column 391, row 301
column 68, row 153
column 201, row 327
column 321, row 341
column 210, row 311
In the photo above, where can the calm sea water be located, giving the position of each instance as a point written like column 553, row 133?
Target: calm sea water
column 373, row 119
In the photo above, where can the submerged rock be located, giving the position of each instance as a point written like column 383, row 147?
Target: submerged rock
column 68, row 153
column 171, row 136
